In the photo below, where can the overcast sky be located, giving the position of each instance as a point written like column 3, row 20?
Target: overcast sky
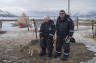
column 19, row 6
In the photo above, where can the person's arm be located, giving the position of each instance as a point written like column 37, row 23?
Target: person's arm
column 57, row 26
column 52, row 32
column 71, row 30
column 41, row 31
column 71, row 27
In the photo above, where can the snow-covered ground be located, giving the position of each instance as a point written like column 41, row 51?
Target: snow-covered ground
column 15, row 32
column 7, row 26
column 80, row 36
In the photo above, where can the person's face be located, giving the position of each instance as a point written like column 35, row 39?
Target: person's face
column 62, row 14
column 46, row 19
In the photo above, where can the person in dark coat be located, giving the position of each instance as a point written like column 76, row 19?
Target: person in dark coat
column 47, row 31
column 64, row 31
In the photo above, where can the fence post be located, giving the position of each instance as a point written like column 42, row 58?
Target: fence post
column 93, row 28
column 77, row 20
column 0, row 25
column 28, row 23
column 35, row 27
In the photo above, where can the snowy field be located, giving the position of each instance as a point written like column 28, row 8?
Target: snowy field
column 11, row 30
column 8, row 26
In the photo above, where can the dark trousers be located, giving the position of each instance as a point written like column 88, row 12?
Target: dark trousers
column 46, row 44
column 61, row 43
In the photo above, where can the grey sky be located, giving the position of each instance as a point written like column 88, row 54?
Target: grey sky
column 18, row 6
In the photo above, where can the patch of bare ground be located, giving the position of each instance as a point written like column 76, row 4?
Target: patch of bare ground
column 78, row 54
column 11, row 51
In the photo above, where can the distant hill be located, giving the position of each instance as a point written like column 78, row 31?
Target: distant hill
column 86, row 14
column 55, row 13
column 42, row 13
column 49, row 13
column 6, row 14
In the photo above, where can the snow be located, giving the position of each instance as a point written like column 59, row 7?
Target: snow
column 89, row 43
column 7, row 26
column 13, row 32
column 17, row 34
column 83, row 27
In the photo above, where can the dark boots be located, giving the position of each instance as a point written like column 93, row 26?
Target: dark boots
column 57, row 55
column 43, row 52
column 50, row 52
column 65, row 57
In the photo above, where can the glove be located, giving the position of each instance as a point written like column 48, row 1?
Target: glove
column 71, row 33
column 50, row 36
column 41, row 35
column 67, row 39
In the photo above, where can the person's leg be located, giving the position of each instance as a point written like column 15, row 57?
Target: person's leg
column 50, row 47
column 66, row 51
column 58, row 47
column 43, row 47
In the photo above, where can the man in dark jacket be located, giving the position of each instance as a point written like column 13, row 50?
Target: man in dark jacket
column 64, row 31
column 47, row 31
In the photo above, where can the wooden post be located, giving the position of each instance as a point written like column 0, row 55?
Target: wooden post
column 0, row 25
column 77, row 20
column 35, row 27
column 28, row 23
column 93, row 28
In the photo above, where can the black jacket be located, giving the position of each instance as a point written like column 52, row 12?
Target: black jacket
column 47, row 29
column 64, row 27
